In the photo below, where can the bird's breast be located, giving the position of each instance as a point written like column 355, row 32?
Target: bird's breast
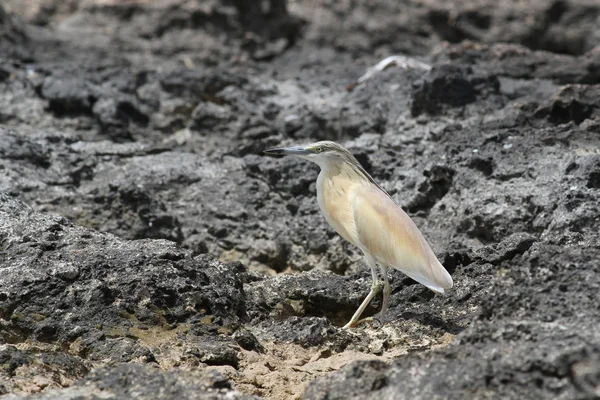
column 333, row 196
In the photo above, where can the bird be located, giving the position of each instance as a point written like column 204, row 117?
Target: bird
column 364, row 214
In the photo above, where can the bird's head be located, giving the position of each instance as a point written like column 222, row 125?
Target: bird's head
column 322, row 153
column 326, row 154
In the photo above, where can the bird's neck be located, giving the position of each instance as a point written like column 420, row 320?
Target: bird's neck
column 341, row 169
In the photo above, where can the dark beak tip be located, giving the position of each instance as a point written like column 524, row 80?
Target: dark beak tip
column 284, row 151
column 272, row 152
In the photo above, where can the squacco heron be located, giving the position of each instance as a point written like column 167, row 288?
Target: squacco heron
column 366, row 216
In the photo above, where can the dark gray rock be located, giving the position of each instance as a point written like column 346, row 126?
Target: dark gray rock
column 143, row 382
column 537, row 343
column 116, row 116
column 525, row 368
column 14, row 40
column 572, row 103
column 62, row 367
column 312, row 294
column 68, row 96
column 448, row 85
column 104, row 292
column 516, row 61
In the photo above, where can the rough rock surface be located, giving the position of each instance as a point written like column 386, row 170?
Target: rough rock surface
column 148, row 249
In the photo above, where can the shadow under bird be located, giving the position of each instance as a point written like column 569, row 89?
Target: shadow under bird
column 366, row 216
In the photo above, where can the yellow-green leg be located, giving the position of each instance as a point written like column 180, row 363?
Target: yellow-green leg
column 387, row 290
column 375, row 286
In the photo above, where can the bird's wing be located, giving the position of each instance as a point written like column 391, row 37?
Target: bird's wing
column 391, row 237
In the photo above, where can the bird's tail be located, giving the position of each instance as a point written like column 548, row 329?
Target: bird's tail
column 439, row 280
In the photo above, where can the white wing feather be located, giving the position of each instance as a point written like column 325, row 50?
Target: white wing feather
column 386, row 232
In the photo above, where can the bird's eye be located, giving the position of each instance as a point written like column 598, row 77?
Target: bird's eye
column 318, row 150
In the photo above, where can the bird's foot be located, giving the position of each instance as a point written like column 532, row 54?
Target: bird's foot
column 375, row 323
column 351, row 324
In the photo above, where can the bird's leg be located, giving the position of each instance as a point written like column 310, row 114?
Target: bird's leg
column 386, row 294
column 374, row 290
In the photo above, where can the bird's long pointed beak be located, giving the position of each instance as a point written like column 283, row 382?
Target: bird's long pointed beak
column 288, row 151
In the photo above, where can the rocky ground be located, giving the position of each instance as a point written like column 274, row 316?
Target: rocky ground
column 148, row 250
